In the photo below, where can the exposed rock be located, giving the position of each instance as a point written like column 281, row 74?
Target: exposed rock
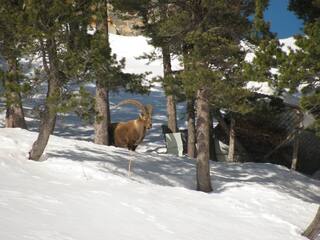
column 126, row 24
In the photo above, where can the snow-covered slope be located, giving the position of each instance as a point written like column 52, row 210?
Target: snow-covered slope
column 81, row 191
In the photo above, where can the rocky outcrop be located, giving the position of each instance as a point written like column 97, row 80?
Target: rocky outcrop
column 126, row 24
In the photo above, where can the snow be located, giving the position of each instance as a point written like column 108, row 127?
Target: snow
column 132, row 47
column 267, row 89
column 81, row 191
column 288, row 43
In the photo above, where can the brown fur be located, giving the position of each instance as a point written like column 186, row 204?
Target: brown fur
column 130, row 134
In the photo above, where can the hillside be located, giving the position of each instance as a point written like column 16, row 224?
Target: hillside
column 81, row 191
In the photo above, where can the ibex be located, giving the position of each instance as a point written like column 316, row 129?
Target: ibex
column 130, row 134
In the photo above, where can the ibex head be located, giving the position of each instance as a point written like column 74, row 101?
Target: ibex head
column 146, row 116
column 146, row 111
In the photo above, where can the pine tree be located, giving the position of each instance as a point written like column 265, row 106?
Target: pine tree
column 307, row 10
column 12, row 41
column 268, row 52
column 48, row 22
column 210, row 33
column 302, row 68
column 101, row 51
column 104, row 67
column 261, row 28
column 153, row 13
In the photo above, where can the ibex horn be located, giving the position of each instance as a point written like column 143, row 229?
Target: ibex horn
column 133, row 102
column 149, row 108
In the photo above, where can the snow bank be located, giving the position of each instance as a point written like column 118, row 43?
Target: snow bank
column 81, row 191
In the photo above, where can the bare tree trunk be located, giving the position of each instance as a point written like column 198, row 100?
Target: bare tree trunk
column 172, row 113
column 191, row 129
column 102, row 119
column 203, row 140
column 102, row 106
column 295, row 151
column 232, row 138
column 226, row 129
column 48, row 116
column 14, row 113
column 211, row 143
column 171, row 104
column 313, row 230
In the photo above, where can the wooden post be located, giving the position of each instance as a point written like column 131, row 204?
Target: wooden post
column 231, row 153
column 129, row 165
column 296, row 139
column 295, row 151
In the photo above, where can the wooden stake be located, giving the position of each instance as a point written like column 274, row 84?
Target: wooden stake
column 295, row 152
column 231, row 141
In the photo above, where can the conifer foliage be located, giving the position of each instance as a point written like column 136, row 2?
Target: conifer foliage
column 209, row 33
column 302, row 68
column 49, row 20
column 12, row 44
column 60, row 34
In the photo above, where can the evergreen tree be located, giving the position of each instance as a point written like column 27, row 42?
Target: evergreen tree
column 101, row 55
column 70, row 54
column 49, row 22
column 210, row 33
column 302, row 68
column 153, row 14
column 12, row 42
column 307, row 10
column 261, row 28
column 267, row 49
column 104, row 67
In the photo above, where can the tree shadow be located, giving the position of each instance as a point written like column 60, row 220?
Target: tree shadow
column 169, row 170
column 158, row 169
column 279, row 178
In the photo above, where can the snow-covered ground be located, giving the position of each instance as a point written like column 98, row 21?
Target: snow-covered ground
column 82, row 191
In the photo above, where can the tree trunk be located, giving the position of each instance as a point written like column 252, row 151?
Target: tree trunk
column 102, row 119
column 203, row 140
column 313, row 230
column 171, row 104
column 14, row 113
column 226, row 129
column 102, row 106
column 295, row 151
column 231, row 153
column 211, row 143
column 48, row 116
column 191, row 129
column 172, row 113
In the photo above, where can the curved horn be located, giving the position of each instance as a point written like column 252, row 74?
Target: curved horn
column 149, row 108
column 133, row 102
